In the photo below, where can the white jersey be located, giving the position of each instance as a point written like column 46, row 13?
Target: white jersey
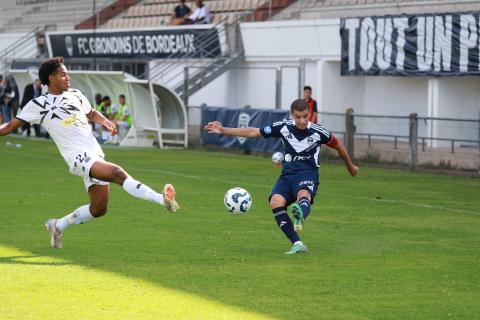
column 64, row 117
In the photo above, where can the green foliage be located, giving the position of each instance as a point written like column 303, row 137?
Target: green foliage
column 386, row 245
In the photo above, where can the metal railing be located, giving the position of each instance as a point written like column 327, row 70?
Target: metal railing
column 423, row 141
column 173, row 65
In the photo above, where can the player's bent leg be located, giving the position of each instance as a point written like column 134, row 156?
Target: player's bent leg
column 98, row 199
column 56, row 226
column 111, row 172
column 278, row 204
column 301, row 209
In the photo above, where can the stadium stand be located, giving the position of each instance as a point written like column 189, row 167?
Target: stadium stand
column 149, row 13
column 26, row 15
column 324, row 9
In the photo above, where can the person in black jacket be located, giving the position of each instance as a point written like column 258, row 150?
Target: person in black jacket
column 31, row 91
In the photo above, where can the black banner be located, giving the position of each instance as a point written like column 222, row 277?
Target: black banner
column 411, row 45
column 243, row 118
column 138, row 44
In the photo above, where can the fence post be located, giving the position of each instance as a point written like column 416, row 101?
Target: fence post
column 278, row 88
column 185, row 86
column 349, row 132
column 413, row 141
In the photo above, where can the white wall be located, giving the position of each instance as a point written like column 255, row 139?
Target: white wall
column 459, row 97
column 397, row 96
column 291, row 40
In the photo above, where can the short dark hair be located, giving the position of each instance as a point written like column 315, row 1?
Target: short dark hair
column 307, row 88
column 299, row 105
column 106, row 98
column 122, row 96
column 48, row 68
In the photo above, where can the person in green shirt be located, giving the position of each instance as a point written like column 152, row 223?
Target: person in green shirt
column 122, row 119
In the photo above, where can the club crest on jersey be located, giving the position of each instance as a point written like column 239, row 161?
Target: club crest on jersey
column 243, row 122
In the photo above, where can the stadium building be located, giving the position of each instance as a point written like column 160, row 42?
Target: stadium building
column 407, row 71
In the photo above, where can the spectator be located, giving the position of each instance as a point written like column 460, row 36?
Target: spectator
column 307, row 94
column 107, row 111
column 1, row 98
column 31, row 91
column 6, row 100
column 180, row 13
column 97, row 128
column 122, row 119
column 16, row 97
column 201, row 13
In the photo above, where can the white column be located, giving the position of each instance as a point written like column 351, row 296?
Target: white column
column 319, row 91
column 433, row 109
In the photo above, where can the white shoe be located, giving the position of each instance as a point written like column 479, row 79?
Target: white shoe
column 169, row 198
column 55, row 234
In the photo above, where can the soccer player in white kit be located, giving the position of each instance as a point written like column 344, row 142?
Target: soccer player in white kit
column 65, row 113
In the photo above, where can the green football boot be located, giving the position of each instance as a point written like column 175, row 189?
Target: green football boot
column 297, row 215
column 297, row 248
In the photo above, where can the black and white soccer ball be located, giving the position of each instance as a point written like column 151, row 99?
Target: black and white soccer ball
column 237, row 200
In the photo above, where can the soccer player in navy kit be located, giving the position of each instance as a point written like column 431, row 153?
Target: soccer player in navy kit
column 297, row 185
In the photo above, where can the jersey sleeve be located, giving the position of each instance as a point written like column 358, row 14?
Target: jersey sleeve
column 325, row 135
column 272, row 130
column 30, row 112
column 84, row 103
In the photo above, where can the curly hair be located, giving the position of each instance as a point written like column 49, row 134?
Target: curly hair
column 48, row 68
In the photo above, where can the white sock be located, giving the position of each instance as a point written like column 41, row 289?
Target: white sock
column 79, row 216
column 298, row 242
column 141, row 191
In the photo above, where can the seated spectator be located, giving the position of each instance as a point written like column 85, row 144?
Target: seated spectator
column 201, row 14
column 180, row 14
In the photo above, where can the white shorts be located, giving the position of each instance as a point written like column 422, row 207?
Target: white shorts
column 80, row 166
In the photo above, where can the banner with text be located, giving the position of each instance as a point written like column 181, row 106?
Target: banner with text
column 243, row 118
column 138, row 44
column 411, row 45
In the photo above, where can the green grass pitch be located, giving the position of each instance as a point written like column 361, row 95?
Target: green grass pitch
column 385, row 245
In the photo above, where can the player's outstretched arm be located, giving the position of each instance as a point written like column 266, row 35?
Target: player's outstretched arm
column 342, row 152
column 217, row 127
column 96, row 117
column 11, row 126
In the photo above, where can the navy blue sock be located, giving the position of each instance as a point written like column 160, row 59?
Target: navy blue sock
column 304, row 203
column 285, row 224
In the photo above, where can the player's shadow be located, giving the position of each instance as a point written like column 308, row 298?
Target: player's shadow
column 24, row 260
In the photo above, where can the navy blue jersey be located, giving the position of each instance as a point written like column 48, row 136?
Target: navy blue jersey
column 302, row 147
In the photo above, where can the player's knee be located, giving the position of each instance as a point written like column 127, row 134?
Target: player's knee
column 304, row 194
column 99, row 211
column 119, row 175
column 275, row 203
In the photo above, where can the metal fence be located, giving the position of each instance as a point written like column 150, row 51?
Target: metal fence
column 428, row 142
column 417, row 142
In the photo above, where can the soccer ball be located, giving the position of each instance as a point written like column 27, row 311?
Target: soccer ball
column 237, row 201
column 277, row 158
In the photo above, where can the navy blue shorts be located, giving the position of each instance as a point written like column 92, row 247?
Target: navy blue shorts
column 289, row 185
